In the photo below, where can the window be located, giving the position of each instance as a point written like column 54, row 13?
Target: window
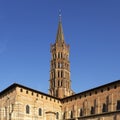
column 32, row 93
column 58, row 73
column 71, row 114
column 101, row 90
column 26, row 92
column 64, row 114
column 27, row 109
column 81, row 112
column 61, row 83
column 92, row 110
column 58, row 55
column 61, row 74
column 61, row 55
column 40, row 112
column 104, row 109
column 57, row 115
column 58, row 65
column 21, row 90
column 37, row 95
column 108, row 88
column 118, row 105
column 115, row 87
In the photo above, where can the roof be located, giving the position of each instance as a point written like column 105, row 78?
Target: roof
column 96, row 88
column 60, row 35
column 14, row 85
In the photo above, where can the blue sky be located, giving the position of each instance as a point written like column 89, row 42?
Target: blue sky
column 28, row 27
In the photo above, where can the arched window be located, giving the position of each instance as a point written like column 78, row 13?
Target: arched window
column 58, row 74
column 81, row 112
column 40, row 112
column 118, row 105
column 58, row 55
column 104, row 109
column 71, row 114
column 61, row 55
column 58, row 83
column 57, row 115
column 58, row 65
column 64, row 114
column 61, row 74
column 61, row 83
column 27, row 109
column 92, row 110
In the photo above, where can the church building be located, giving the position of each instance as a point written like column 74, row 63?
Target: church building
column 18, row 102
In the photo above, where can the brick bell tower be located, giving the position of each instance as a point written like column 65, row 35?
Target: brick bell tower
column 60, row 83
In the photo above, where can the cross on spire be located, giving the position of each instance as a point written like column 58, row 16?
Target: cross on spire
column 60, row 15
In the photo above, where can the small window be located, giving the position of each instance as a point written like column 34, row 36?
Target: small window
column 32, row 93
column 115, row 87
column 57, row 115
column 27, row 92
column 95, row 92
column 21, row 90
column 108, row 88
column 40, row 112
column 101, row 90
column 27, row 109
column 37, row 95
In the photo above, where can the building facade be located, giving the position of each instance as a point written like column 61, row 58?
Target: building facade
column 18, row 102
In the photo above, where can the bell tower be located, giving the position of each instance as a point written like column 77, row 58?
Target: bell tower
column 60, row 83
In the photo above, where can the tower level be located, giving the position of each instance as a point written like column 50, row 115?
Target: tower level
column 60, row 83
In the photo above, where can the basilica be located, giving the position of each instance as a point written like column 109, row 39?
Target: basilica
column 19, row 102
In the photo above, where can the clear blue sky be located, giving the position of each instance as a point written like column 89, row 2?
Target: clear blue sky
column 28, row 27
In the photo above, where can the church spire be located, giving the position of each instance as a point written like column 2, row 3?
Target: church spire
column 60, row 35
column 60, row 82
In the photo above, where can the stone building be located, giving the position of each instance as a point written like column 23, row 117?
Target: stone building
column 18, row 102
